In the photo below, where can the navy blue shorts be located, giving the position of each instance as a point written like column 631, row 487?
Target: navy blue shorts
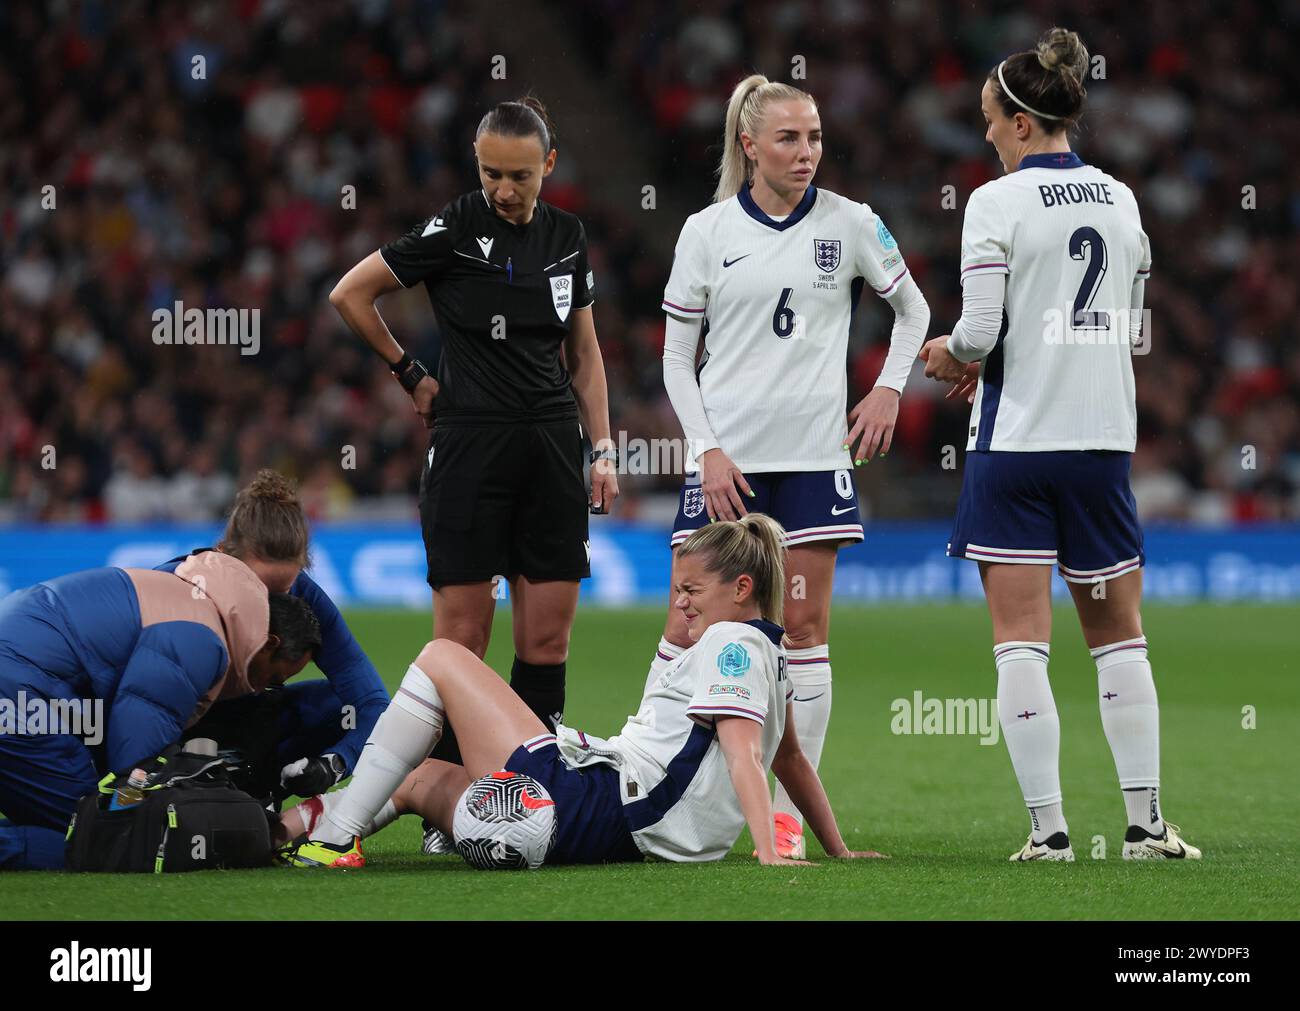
column 1072, row 508
column 588, row 807
column 812, row 505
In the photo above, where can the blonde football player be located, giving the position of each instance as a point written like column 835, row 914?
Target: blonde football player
column 768, row 276
column 1054, row 263
column 679, row 782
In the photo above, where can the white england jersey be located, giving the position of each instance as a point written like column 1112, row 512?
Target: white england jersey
column 677, row 793
column 1069, row 238
column 777, row 298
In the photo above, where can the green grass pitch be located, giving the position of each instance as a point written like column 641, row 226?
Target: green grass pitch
column 945, row 807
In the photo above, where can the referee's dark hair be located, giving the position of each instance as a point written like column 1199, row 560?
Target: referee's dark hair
column 524, row 117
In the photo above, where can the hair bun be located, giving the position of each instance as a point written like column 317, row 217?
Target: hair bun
column 272, row 486
column 1063, row 52
column 531, row 101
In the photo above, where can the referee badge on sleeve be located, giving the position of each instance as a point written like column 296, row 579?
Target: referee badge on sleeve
column 562, row 294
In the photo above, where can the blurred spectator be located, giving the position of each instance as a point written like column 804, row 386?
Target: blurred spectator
column 318, row 131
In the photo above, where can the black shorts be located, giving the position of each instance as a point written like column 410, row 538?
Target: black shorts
column 504, row 500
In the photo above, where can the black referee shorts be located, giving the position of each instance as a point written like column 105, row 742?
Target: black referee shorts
column 504, row 499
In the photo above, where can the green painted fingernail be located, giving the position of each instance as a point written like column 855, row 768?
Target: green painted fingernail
column 857, row 463
column 845, row 446
column 753, row 494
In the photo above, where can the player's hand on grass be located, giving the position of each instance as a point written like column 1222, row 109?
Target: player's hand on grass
column 425, row 392
column 859, row 855
column 939, row 362
column 872, row 421
column 965, row 387
column 776, row 861
column 604, row 486
column 723, row 485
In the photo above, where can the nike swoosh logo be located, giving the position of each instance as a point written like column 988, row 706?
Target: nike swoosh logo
column 534, row 803
column 728, row 263
column 813, row 699
column 837, row 511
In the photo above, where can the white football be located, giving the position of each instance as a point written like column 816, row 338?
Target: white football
column 504, row 821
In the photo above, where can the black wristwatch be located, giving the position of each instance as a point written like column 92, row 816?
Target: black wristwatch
column 604, row 454
column 409, row 371
column 337, row 766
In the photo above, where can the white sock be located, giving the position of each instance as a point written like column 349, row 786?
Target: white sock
column 402, row 739
column 1047, row 820
column 810, row 677
column 665, row 654
column 386, row 816
column 1130, row 715
column 1032, row 731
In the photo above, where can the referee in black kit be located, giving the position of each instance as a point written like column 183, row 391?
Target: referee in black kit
column 502, row 490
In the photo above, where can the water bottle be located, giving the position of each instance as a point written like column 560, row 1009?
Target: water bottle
column 131, row 792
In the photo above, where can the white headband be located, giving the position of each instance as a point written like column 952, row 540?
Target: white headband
column 1007, row 91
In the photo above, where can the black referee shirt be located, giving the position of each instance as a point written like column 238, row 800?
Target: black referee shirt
column 504, row 295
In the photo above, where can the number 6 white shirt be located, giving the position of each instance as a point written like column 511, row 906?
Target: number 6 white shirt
column 1069, row 239
column 778, row 297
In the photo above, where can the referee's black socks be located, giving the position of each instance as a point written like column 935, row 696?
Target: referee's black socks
column 541, row 686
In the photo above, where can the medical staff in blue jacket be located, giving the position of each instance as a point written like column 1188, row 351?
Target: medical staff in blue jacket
column 101, row 670
column 319, row 726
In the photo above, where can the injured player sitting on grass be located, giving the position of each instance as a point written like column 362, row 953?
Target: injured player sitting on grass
column 685, row 775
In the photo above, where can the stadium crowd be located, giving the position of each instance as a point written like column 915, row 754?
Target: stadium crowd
column 316, row 132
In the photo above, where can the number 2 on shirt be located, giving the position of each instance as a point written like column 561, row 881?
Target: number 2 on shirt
column 1088, row 241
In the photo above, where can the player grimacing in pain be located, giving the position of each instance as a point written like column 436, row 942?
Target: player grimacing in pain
column 681, row 780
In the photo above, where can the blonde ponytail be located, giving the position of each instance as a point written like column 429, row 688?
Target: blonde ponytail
column 745, row 109
column 754, row 545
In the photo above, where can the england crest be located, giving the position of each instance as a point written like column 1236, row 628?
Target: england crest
column 693, row 503
column 562, row 294
column 826, row 254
